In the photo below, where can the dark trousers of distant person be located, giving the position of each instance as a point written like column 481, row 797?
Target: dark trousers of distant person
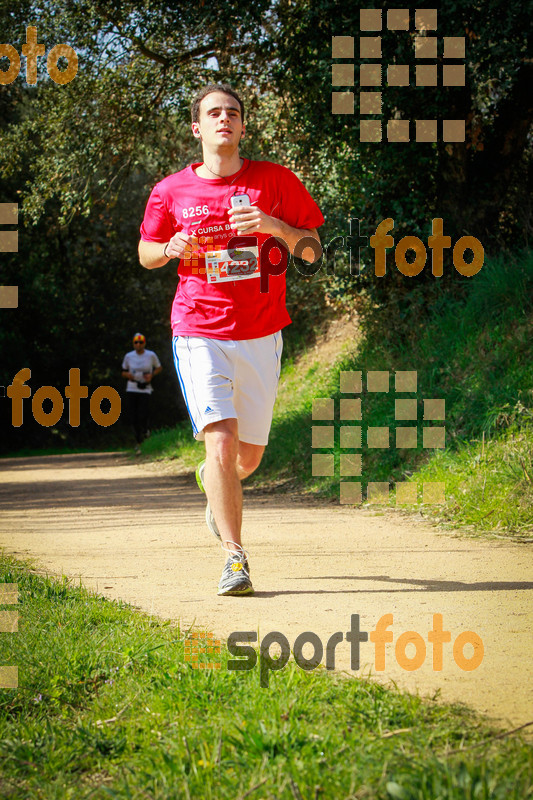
column 138, row 409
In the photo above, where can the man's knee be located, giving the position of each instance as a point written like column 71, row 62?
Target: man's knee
column 250, row 456
column 222, row 441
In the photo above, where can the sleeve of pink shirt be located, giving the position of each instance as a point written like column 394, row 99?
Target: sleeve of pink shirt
column 297, row 207
column 156, row 225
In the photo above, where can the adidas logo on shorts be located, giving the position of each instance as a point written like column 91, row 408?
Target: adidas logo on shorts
column 208, row 409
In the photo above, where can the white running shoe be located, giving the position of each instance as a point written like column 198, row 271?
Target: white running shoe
column 209, row 518
column 235, row 580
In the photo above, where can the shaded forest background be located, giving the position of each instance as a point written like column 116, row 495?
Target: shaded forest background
column 81, row 159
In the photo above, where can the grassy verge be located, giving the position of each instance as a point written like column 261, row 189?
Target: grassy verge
column 27, row 452
column 476, row 354
column 174, row 444
column 489, row 484
column 108, row 707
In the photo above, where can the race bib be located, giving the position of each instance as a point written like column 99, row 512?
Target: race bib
column 220, row 267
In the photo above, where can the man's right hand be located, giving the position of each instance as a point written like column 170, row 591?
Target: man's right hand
column 152, row 254
column 181, row 246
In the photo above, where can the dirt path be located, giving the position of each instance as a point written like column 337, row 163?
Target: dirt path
column 134, row 532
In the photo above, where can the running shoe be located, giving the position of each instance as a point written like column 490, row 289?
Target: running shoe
column 209, row 518
column 235, row 580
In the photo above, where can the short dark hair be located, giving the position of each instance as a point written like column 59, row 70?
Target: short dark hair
column 213, row 87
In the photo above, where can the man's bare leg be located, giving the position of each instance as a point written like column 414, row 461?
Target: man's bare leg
column 228, row 461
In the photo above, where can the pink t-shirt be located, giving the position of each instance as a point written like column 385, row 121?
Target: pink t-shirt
column 231, row 309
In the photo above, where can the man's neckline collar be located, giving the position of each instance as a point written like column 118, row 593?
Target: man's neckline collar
column 226, row 179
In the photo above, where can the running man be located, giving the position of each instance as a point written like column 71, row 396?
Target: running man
column 226, row 318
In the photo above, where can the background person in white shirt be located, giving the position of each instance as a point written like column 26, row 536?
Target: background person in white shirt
column 139, row 367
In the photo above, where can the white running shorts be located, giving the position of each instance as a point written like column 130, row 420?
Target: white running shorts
column 230, row 379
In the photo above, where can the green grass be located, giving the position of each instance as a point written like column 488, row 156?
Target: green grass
column 176, row 444
column 489, row 484
column 474, row 352
column 28, row 452
column 107, row 707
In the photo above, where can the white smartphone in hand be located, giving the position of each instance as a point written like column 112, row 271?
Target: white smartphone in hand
column 239, row 200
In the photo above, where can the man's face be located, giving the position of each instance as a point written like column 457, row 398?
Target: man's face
column 220, row 124
column 139, row 344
